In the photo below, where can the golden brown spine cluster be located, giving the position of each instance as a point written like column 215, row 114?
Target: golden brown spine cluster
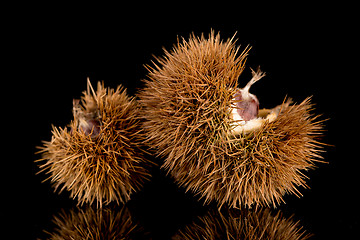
column 99, row 157
column 187, row 120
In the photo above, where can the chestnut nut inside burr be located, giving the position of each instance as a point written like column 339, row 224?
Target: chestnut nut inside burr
column 245, row 109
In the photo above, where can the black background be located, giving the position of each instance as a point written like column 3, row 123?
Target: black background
column 49, row 51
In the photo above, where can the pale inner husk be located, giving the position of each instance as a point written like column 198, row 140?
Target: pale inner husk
column 241, row 126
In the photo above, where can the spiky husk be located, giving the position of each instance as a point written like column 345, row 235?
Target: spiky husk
column 103, row 168
column 96, row 224
column 186, row 109
column 246, row 225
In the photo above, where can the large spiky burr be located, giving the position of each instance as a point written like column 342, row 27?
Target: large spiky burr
column 255, row 224
column 214, row 139
column 99, row 157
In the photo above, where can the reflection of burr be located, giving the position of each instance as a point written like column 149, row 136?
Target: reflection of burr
column 215, row 141
column 100, row 158
column 245, row 225
column 96, row 224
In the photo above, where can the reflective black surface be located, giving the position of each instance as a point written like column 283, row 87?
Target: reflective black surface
column 52, row 53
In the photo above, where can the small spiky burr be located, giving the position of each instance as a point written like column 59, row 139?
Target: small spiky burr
column 233, row 224
column 215, row 140
column 96, row 224
column 99, row 157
